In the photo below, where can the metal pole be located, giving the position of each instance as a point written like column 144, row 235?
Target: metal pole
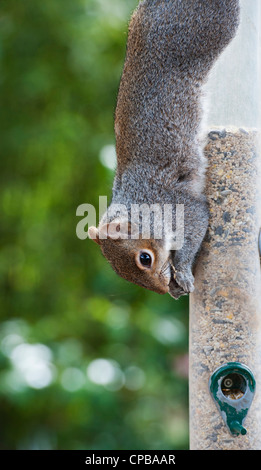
column 225, row 309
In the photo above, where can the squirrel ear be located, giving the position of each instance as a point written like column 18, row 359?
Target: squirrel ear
column 115, row 230
column 94, row 235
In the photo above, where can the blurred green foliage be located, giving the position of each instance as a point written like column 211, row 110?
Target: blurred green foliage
column 87, row 360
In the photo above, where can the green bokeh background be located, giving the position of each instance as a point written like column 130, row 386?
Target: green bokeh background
column 87, row 360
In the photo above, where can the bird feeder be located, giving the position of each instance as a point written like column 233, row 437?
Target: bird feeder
column 225, row 309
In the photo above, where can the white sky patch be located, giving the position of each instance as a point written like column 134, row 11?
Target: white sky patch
column 33, row 363
column 168, row 331
column 10, row 342
column 108, row 157
column 107, row 373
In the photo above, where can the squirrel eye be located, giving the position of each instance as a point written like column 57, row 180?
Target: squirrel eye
column 145, row 260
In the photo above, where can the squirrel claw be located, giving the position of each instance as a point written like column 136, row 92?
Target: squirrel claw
column 174, row 289
column 177, row 293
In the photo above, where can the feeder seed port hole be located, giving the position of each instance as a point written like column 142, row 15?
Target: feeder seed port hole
column 233, row 386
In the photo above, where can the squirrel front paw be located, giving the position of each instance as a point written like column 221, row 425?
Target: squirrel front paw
column 175, row 290
column 185, row 280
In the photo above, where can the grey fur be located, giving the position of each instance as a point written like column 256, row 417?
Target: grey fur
column 172, row 45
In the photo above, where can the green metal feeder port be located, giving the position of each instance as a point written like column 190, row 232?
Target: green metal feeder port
column 233, row 387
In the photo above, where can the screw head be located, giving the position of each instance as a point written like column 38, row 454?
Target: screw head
column 228, row 383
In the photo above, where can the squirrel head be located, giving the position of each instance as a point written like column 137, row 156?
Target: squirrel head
column 145, row 262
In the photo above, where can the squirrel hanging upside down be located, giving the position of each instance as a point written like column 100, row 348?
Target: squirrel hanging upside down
column 172, row 46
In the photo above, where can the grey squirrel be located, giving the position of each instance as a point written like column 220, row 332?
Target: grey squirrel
column 172, row 46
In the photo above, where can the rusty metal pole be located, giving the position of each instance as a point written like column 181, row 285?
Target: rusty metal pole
column 225, row 309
